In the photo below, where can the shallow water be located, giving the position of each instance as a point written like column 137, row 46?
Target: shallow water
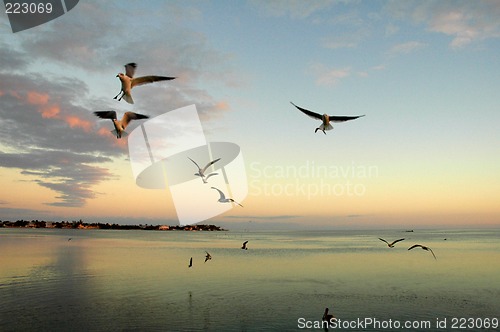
column 140, row 280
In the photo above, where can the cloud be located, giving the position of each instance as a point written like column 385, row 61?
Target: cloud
column 465, row 21
column 264, row 217
column 297, row 9
column 47, row 101
column 12, row 59
column 64, row 172
column 49, row 131
column 405, row 48
column 328, row 76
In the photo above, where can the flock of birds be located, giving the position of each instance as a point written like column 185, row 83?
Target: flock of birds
column 128, row 82
column 209, row 257
column 328, row 317
column 391, row 245
column 204, row 177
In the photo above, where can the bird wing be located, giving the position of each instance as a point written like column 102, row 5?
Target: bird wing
column 129, row 116
column 222, row 196
column 149, row 79
column 130, row 69
column 309, row 113
column 245, row 243
column 210, row 163
column 335, row 118
column 383, row 240
column 209, row 175
column 194, row 163
column 415, row 246
column 393, row 243
column 106, row 114
column 432, row 252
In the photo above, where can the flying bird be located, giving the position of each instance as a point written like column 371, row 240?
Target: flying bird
column 325, row 118
column 424, row 248
column 244, row 246
column 328, row 317
column 121, row 124
column 201, row 171
column 223, row 198
column 207, row 257
column 391, row 245
column 190, row 262
column 128, row 82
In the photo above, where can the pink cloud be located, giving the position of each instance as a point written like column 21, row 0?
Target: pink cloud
column 36, row 98
column 76, row 122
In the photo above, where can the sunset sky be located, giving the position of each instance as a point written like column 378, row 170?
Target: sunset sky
column 426, row 75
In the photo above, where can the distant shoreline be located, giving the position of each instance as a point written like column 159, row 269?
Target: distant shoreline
column 82, row 225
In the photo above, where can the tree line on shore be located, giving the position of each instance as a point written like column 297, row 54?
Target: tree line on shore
column 82, row 225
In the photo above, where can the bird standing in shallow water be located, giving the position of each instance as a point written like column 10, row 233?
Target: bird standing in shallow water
column 325, row 118
column 390, row 245
column 424, row 248
column 121, row 124
column 328, row 317
column 128, row 82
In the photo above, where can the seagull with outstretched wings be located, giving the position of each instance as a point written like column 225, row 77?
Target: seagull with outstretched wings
column 390, row 245
column 201, row 171
column 325, row 118
column 424, row 248
column 120, row 125
column 223, row 199
column 128, row 82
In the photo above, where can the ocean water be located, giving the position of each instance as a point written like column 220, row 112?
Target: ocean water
column 104, row 280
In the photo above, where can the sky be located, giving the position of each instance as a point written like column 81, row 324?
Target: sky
column 424, row 73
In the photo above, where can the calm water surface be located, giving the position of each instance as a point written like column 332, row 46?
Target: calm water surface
column 139, row 280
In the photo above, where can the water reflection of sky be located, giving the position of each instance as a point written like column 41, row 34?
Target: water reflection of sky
column 132, row 280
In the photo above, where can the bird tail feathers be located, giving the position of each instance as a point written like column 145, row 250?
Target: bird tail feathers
column 328, row 127
column 128, row 98
column 115, row 133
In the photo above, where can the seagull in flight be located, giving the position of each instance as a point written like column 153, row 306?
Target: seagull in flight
column 128, row 82
column 244, row 246
column 207, row 257
column 391, row 245
column 201, row 171
column 223, row 198
column 123, row 123
column 424, row 248
column 325, row 118
column 190, row 262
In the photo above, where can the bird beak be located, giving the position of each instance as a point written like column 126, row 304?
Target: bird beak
column 117, row 75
